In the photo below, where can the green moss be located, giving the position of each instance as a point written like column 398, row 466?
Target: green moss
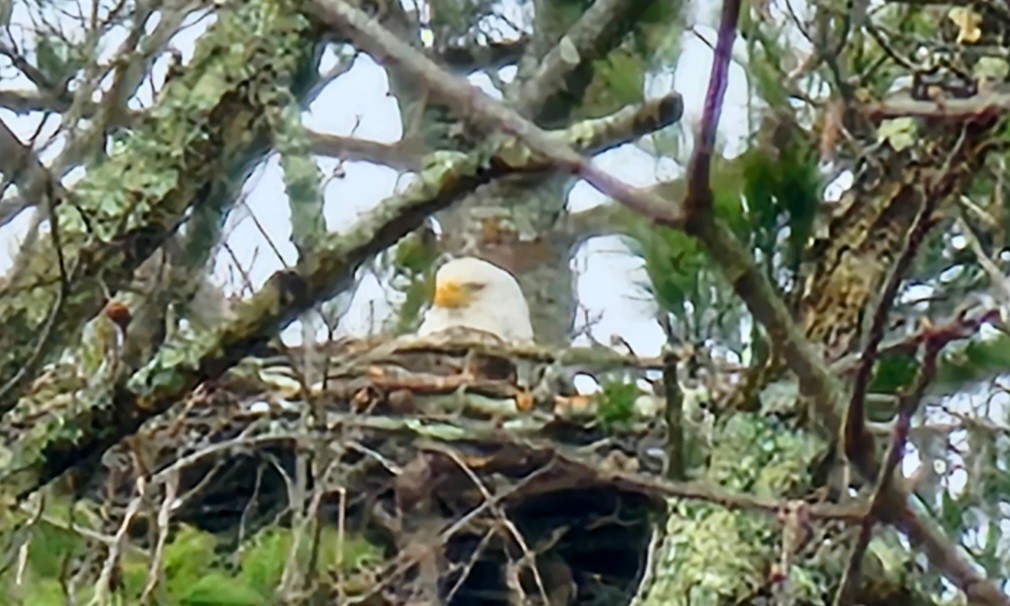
column 716, row 556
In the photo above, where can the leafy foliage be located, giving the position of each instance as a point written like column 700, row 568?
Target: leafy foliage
column 617, row 403
column 782, row 190
column 194, row 571
column 302, row 177
column 413, row 266
column 618, row 80
column 717, row 549
column 760, row 195
column 674, row 261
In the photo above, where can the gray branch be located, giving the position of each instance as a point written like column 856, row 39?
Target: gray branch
column 574, row 47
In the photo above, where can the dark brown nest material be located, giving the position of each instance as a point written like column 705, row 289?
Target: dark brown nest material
column 471, row 506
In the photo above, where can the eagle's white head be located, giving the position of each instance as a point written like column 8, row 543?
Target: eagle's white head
column 471, row 293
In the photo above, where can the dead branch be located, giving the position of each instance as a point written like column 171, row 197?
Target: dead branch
column 135, row 57
column 981, row 107
column 21, row 165
column 909, row 403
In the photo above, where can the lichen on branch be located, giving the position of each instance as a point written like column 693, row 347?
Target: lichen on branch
column 208, row 126
column 101, row 419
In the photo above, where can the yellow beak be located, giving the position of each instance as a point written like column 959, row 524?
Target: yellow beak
column 451, row 295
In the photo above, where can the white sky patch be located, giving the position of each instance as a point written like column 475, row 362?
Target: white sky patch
column 633, row 165
column 357, row 103
column 691, row 81
column 835, row 189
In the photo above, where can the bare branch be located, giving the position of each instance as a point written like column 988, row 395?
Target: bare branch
column 134, row 58
column 983, row 106
column 20, row 164
column 699, row 190
column 30, row 71
column 490, row 55
column 475, row 105
column 401, row 155
column 25, row 101
column 574, row 47
column 132, row 217
column 895, row 453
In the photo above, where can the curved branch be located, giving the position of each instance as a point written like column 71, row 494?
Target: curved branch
column 476, row 106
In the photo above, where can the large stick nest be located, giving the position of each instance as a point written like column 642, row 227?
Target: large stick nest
column 484, row 477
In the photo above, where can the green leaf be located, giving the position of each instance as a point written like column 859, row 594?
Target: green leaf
column 764, row 68
column 950, row 513
column 991, row 68
column 899, row 133
column 658, row 12
column 52, row 57
column 728, row 197
column 980, row 359
column 760, row 187
column 136, row 570
column 673, row 261
column 625, row 77
column 261, row 567
column 893, row 373
column 187, row 555
column 262, row 564
column 787, row 185
column 618, row 80
column 617, row 403
column 49, row 549
column 214, row 588
column 961, row 364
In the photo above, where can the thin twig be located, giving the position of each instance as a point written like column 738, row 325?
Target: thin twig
column 699, row 190
column 164, row 517
column 997, row 279
column 528, row 555
column 907, row 406
column 103, row 586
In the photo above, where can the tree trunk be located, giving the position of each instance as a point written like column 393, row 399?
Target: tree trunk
column 847, row 270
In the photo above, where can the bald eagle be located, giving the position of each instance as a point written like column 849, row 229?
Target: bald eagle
column 472, row 293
